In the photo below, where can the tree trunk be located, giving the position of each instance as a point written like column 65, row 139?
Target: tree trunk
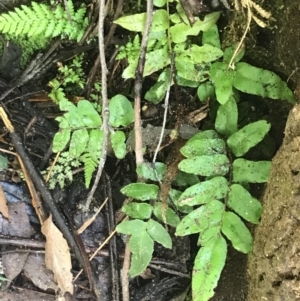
column 274, row 266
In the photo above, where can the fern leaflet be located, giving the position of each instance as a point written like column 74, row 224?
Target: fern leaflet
column 90, row 166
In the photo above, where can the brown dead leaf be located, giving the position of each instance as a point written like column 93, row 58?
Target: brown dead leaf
column 36, row 201
column 36, row 271
column 13, row 264
column 58, row 257
column 3, row 203
column 19, row 224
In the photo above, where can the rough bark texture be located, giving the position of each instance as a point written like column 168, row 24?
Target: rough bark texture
column 274, row 266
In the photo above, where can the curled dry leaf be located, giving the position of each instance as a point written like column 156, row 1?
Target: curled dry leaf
column 58, row 257
column 3, row 204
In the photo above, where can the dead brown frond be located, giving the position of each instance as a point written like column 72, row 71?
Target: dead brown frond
column 254, row 12
column 253, row 8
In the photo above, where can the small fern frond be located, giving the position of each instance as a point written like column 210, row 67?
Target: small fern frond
column 71, row 8
column 50, row 29
column 39, row 18
column 39, row 11
column 79, row 15
column 59, row 12
column 48, row 13
column 90, row 166
column 29, row 13
column 21, row 13
column 14, row 16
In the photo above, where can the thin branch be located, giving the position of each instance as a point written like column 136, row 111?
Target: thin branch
column 239, row 46
column 166, row 104
column 105, row 101
column 20, row 241
column 125, row 278
column 97, row 251
column 138, row 86
column 113, row 26
column 167, row 93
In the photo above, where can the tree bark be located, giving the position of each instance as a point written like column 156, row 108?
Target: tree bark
column 274, row 265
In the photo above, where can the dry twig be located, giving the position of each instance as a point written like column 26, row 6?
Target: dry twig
column 138, row 86
column 105, row 101
column 251, row 7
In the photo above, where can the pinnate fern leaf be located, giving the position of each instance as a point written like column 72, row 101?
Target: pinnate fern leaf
column 39, row 19
column 89, row 167
column 71, row 7
column 79, row 15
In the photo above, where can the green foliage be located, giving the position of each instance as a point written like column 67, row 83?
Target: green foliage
column 70, row 78
column 80, row 131
column 147, row 171
column 41, row 20
column 141, row 243
column 216, row 195
column 80, row 134
column 207, row 265
column 250, row 135
column 195, row 64
column 218, row 202
column 214, row 201
column 33, row 27
column 121, row 112
column 3, row 162
column 245, row 171
column 141, row 191
column 90, row 165
column 62, row 171
column 157, row 58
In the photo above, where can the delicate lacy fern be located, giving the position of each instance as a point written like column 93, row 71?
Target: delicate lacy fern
column 130, row 50
column 90, row 166
column 62, row 171
column 40, row 19
column 71, row 77
column 28, row 46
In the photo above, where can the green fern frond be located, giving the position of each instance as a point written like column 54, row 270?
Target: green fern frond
column 21, row 13
column 41, row 10
column 90, row 166
column 28, row 46
column 71, row 7
column 79, row 15
column 59, row 12
column 48, row 13
column 40, row 18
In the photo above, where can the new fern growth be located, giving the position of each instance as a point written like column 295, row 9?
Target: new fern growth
column 80, row 130
column 80, row 135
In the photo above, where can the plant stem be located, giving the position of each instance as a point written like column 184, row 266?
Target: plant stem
column 138, row 86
